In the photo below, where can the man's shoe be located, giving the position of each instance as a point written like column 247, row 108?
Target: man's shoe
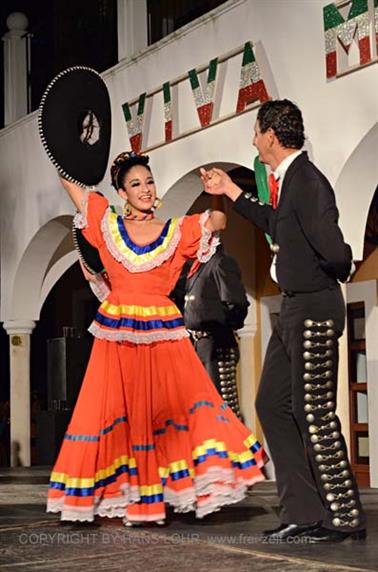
column 323, row 534
column 274, row 530
column 285, row 531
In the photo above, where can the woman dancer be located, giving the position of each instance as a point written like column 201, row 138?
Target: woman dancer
column 148, row 428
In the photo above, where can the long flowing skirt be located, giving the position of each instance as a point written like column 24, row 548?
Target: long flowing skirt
column 149, row 428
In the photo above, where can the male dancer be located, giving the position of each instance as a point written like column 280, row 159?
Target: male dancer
column 296, row 401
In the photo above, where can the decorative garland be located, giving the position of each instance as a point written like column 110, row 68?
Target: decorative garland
column 204, row 99
column 168, row 121
column 252, row 86
column 135, row 125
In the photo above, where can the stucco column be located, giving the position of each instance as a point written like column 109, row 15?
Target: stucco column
column 247, row 367
column 15, row 68
column 19, row 333
column 247, row 382
column 343, row 382
column 132, row 27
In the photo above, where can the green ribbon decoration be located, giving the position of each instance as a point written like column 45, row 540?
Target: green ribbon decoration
column 262, row 186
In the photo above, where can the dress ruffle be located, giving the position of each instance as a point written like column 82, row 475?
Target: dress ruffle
column 208, row 242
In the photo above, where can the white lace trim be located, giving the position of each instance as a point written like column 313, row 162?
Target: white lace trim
column 111, row 508
column 209, row 242
column 136, row 338
column 80, row 218
column 213, row 474
column 147, row 517
column 99, row 287
column 122, row 258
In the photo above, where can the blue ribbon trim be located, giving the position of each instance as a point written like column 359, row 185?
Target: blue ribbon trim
column 177, row 475
column 245, row 465
column 138, row 324
column 96, row 438
column 256, row 447
column 89, row 491
column 149, row 447
column 211, row 453
column 222, row 418
column 171, row 423
column 201, row 403
column 141, row 249
column 151, row 498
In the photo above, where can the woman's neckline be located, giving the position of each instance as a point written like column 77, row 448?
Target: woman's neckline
column 151, row 242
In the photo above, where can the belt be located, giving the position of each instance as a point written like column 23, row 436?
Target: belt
column 291, row 293
column 198, row 334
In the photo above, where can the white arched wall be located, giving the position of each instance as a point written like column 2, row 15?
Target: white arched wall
column 55, row 273
column 355, row 189
column 180, row 196
column 37, row 271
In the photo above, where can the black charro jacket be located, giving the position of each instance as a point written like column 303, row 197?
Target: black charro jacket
column 312, row 253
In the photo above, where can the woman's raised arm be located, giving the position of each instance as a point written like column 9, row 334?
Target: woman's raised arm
column 75, row 192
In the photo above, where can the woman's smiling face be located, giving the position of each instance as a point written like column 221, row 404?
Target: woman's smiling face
column 139, row 188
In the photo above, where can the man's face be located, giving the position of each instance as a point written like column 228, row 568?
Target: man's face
column 263, row 142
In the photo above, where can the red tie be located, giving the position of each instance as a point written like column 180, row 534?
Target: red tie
column 273, row 188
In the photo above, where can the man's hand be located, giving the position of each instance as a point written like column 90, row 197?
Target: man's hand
column 217, row 182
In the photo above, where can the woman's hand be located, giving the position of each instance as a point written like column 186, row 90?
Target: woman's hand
column 217, row 182
column 87, row 275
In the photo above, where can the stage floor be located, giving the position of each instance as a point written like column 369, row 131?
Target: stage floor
column 227, row 541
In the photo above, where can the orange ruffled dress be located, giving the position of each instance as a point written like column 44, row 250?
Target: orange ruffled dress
column 149, row 427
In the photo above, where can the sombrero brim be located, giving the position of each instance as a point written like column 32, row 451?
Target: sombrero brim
column 75, row 97
column 88, row 254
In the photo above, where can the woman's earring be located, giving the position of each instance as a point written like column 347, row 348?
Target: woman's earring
column 126, row 209
column 157, row 204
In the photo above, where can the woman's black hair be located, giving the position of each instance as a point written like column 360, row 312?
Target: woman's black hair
column 123, row 163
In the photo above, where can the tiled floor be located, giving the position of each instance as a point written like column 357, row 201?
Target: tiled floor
column 227, row 541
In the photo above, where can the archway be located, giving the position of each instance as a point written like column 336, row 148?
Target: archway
column 51, row 243
column 355, row 188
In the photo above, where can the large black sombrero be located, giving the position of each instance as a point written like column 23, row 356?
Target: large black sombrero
column 74, row 123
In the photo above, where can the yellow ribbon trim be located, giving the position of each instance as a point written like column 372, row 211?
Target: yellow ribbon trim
column 251, row 440
column 148, row 490
column 143, row 311
column 221, row 447
column 209, row 444
column 76, row 482
column 133, row 257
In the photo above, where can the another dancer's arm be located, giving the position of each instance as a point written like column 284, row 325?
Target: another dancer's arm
column 218, row 182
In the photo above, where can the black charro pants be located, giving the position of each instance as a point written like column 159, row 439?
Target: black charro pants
column 296, row 405
column 220, row 360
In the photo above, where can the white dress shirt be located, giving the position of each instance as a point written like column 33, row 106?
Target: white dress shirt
column 279, row 175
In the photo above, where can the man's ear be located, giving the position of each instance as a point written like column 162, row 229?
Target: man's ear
column 272, row 135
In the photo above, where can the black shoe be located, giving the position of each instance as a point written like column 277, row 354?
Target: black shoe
column 323, row 534
column 291, row 530
column 274, row 530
